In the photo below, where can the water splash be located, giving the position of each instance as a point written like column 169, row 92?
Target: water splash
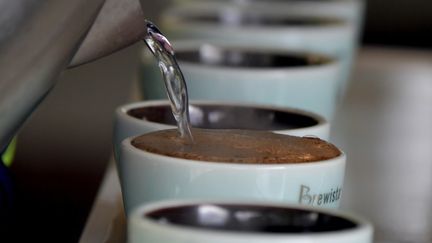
column 173, row 77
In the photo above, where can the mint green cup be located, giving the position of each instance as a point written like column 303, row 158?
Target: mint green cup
column 256, row 75
column 243, row 222
column 351, row 11
column 267, row 24
column 147, row 177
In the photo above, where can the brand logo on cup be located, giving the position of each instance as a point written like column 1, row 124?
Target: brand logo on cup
column 310, row 198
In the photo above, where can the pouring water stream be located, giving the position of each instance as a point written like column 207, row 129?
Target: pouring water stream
column 173, row 77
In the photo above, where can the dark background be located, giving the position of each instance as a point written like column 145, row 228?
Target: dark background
column 399, row 23
column 64, row 147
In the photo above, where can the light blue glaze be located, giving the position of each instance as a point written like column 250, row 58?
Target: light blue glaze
column 147, row 177
column 312, row 88
column 144, row 230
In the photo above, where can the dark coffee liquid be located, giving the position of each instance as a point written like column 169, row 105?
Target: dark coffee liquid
column 250, row 19
column 228, row 117
column 237, row 146
column 251, row 218
column 252, row 59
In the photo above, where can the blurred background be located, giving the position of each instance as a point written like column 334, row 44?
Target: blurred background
column 64, row 147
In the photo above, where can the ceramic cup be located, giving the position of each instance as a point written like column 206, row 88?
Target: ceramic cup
column 276, row 26
column 258, row 75
column 348, row 10
column 141, row 117
column 243, row 222
column 147, row 177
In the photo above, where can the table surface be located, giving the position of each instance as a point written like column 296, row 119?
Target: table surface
column 384, row 127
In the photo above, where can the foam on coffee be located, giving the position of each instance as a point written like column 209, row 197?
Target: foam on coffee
column 237, row 146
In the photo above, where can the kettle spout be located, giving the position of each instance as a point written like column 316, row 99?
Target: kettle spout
column 40, row 38
column 118, row 25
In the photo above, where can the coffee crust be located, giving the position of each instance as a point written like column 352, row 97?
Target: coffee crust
column 237, row 146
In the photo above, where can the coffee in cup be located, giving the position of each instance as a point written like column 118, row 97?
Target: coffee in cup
column 230, row 164
column 243, row 221
column 237, row 146
column 147, row 116
column 234, row 57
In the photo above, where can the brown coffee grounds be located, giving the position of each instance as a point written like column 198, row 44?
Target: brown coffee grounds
column 237, row 146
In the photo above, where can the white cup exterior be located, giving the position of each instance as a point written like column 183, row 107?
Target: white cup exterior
column 147, row 177
column 313, row 88
column 351, row 11
column 143, row 230
column 337, row 40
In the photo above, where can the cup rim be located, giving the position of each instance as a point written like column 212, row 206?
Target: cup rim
column 129, row 148
column 363, row 226
column 176, row 15
column 332, row 62
column 122, row 111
